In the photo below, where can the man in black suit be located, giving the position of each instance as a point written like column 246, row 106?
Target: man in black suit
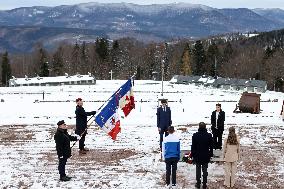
column 81, row 124
column 201, row 152
column 217, row 126
column 164, row 120
column 62, row 140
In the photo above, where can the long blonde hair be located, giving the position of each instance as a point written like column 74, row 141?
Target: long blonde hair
column 232, row 137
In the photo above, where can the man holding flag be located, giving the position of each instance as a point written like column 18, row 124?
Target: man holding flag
column 81, row 124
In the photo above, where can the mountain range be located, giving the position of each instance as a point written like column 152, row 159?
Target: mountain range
column 21, row 28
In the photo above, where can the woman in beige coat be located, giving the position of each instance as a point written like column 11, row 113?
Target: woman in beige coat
column 231, row 156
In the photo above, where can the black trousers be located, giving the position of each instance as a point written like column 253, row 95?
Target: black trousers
column 217, row 138
column 61, row 166
column 162, row 132
column 82, row 141
column 171, row 169
column 202, row 167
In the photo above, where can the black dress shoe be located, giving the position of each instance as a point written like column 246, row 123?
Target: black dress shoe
column 64, row 179
column 86, row 149
column 197, row 185
column 204, row 186
column 82, row 152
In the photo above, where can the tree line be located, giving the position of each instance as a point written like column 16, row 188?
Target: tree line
column 235, row 55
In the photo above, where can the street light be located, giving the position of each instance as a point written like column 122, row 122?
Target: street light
column 163, row 65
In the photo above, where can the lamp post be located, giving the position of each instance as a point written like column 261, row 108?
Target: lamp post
column 163, row 65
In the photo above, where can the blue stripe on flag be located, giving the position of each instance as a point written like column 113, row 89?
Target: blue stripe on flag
column 107, row 112
column 123, row 89
column 111, row 106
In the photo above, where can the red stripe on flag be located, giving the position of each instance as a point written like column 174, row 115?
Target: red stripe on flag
column 129, row 106
column 113, row 133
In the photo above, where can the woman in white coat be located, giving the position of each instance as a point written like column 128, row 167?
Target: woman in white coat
column 231, row 156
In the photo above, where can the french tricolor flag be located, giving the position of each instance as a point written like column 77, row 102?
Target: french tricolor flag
column 126, row 98
column 108, row 118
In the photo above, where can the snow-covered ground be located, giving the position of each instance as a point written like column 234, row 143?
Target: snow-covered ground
column 28, row 122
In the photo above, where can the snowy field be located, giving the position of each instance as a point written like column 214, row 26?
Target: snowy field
column 28, row 122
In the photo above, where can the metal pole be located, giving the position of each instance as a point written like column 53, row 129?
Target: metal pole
column 111, row 74
column 162, row 77
column 215, row 67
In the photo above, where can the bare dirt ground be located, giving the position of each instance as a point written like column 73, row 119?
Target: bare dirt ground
column 28, row 160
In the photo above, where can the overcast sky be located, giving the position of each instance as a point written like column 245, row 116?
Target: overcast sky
column 10, row 4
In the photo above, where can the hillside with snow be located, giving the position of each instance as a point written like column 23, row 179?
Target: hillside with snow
column 28, row 123
column 156, row 22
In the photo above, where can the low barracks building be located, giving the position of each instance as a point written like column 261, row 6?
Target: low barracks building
column 223, row 83
column 53, row 81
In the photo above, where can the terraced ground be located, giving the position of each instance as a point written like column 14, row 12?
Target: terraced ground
column 28, row 159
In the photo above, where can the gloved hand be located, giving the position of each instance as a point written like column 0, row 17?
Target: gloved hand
column 61, row 157
column 78, row 137
column 94, row 112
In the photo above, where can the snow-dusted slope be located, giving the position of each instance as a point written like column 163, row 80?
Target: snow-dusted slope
column 28, row 157
column 190, row 104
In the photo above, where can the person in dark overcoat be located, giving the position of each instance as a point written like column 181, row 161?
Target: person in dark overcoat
column 201, row 151
column 81, row 124
column 164, row 120
column 217, row 126
column 62, row 140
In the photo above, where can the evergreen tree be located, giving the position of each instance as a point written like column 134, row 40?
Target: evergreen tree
column 264, row 68
column 138, row 73
column 199, row 58
column 57, row 62
column 213, row 59
column 279, row 84
column 84, row 63
column 102, row 48
column 150, row 61
column 167, row 63
column 224, row 61
column 102, row 51
column 228, row 52
column 6, row 69
column 268, row 53
column 44, row 71
column 116, row 58
column 185, row 62
column 75, row 60
column 115, row 45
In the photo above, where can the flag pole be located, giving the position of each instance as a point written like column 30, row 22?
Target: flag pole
column 100, row 108
column 93, row 116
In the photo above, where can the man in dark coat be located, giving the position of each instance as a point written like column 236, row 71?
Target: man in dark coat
column 81, row 124
column 217, row 126
column 62, row 140
column 201, row 151
column 164, row 120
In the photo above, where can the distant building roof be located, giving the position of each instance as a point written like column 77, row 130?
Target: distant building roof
column 184, row 79
column 258, row 83
column 41, row 80
column 219, row 81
